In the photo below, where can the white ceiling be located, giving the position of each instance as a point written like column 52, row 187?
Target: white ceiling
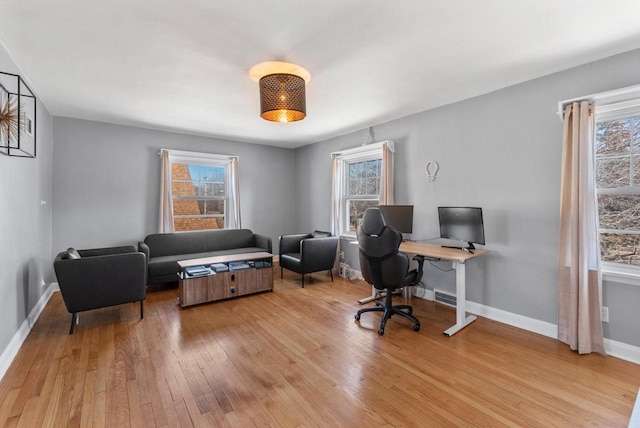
column 183, row 65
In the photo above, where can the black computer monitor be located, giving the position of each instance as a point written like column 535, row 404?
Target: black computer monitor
column 400, row 217
column 462, row 224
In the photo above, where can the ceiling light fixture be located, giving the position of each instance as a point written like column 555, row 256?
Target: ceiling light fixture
column 282, row 90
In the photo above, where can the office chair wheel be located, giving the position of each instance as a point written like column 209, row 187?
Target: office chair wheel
column 416, row 327
column 357, row 317
column 381, row 332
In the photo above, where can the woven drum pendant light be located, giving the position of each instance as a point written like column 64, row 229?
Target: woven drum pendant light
column 282, row 98
column 282, row 90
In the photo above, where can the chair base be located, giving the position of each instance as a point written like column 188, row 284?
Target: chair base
column 389, row 310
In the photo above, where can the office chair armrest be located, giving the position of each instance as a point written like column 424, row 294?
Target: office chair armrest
column 420, row 259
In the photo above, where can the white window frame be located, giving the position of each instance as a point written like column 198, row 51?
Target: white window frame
column 345, row 198
column 358, row 154
column 206, row 159
column 611, row 105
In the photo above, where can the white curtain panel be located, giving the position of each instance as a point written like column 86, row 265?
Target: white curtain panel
column 234, row 192
column 336, row 182
column 165, row 224
column 579, row 313
column 386, row 178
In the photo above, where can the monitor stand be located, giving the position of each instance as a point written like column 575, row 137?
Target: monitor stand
column 469, row 248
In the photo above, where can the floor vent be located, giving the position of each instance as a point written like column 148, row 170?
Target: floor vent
column 445, row 298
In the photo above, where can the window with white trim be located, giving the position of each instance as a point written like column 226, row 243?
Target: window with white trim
column 362, row 188
column 199, row 189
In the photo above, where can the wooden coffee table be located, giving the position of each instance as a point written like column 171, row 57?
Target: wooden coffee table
column 225, row 285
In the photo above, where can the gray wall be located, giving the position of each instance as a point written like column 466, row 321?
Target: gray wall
column 500, row 151
column 25, row 224
column 106, row 182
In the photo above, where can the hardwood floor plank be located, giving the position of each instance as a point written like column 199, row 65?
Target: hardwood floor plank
column 296, row 357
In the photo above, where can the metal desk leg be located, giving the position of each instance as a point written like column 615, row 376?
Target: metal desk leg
column 461, row 301
column 375, row 295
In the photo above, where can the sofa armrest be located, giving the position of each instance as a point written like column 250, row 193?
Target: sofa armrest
column 144, row 248
column 291, row 243
column 94, row 282
column 263, row 241
column 93, row 252
column 318, row 253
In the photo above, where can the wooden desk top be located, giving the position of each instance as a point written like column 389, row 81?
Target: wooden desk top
column 437, row 251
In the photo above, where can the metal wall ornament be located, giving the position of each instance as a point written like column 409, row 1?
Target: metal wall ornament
column 17, row 117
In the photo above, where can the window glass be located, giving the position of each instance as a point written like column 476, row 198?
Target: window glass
column 617, row 147
column 362, row 189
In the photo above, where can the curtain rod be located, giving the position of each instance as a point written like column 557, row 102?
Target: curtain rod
column 618, row 97
column 365, row 148
column 196, row 154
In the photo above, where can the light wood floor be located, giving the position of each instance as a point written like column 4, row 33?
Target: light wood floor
column 297, row 357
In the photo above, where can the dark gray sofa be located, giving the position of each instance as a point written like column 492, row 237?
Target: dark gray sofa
column 165, row 250
column 100, row 277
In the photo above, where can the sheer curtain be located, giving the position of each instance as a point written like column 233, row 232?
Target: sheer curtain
column 386, row 178
column 234, row 192
column 336, row 185
column 166, row 200
column 579, row 322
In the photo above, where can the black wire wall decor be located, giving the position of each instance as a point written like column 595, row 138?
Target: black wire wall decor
column 17, row 117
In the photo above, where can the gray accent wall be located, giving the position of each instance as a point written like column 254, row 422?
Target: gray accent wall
column 25, row 224
column 500, row 151
column 106, row 182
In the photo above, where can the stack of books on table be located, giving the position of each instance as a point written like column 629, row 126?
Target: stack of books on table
column 238, row 265
column 219, row 267
column 195, row 271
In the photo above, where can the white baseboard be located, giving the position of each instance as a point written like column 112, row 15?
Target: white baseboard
column 18, row 339
column 634, row 422
column 613, row 348
column 530, row 324
column 623, row 351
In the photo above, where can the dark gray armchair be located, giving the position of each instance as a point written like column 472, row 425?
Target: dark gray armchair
column 97, row 278
column 305, row 253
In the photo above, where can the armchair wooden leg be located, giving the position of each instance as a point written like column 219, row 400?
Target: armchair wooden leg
column 141, row 309
column 281, row 274
column 302, row 280
column 73, row 322
column 331, row 273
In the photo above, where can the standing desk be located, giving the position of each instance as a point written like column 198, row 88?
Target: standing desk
column 458, row 259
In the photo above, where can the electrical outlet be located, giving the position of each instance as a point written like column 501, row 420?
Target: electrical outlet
column 605, row 314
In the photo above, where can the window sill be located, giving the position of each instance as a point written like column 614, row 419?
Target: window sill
column 621, row 274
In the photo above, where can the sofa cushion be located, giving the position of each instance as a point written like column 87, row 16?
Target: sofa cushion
column 168, row 244
column 229, row 239
column 320, row 234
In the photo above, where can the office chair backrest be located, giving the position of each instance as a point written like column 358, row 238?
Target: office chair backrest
column 380, row 262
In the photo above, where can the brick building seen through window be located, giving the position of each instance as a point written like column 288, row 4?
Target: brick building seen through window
column 199, row 196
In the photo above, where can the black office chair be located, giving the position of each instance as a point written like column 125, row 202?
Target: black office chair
column 384, row 267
